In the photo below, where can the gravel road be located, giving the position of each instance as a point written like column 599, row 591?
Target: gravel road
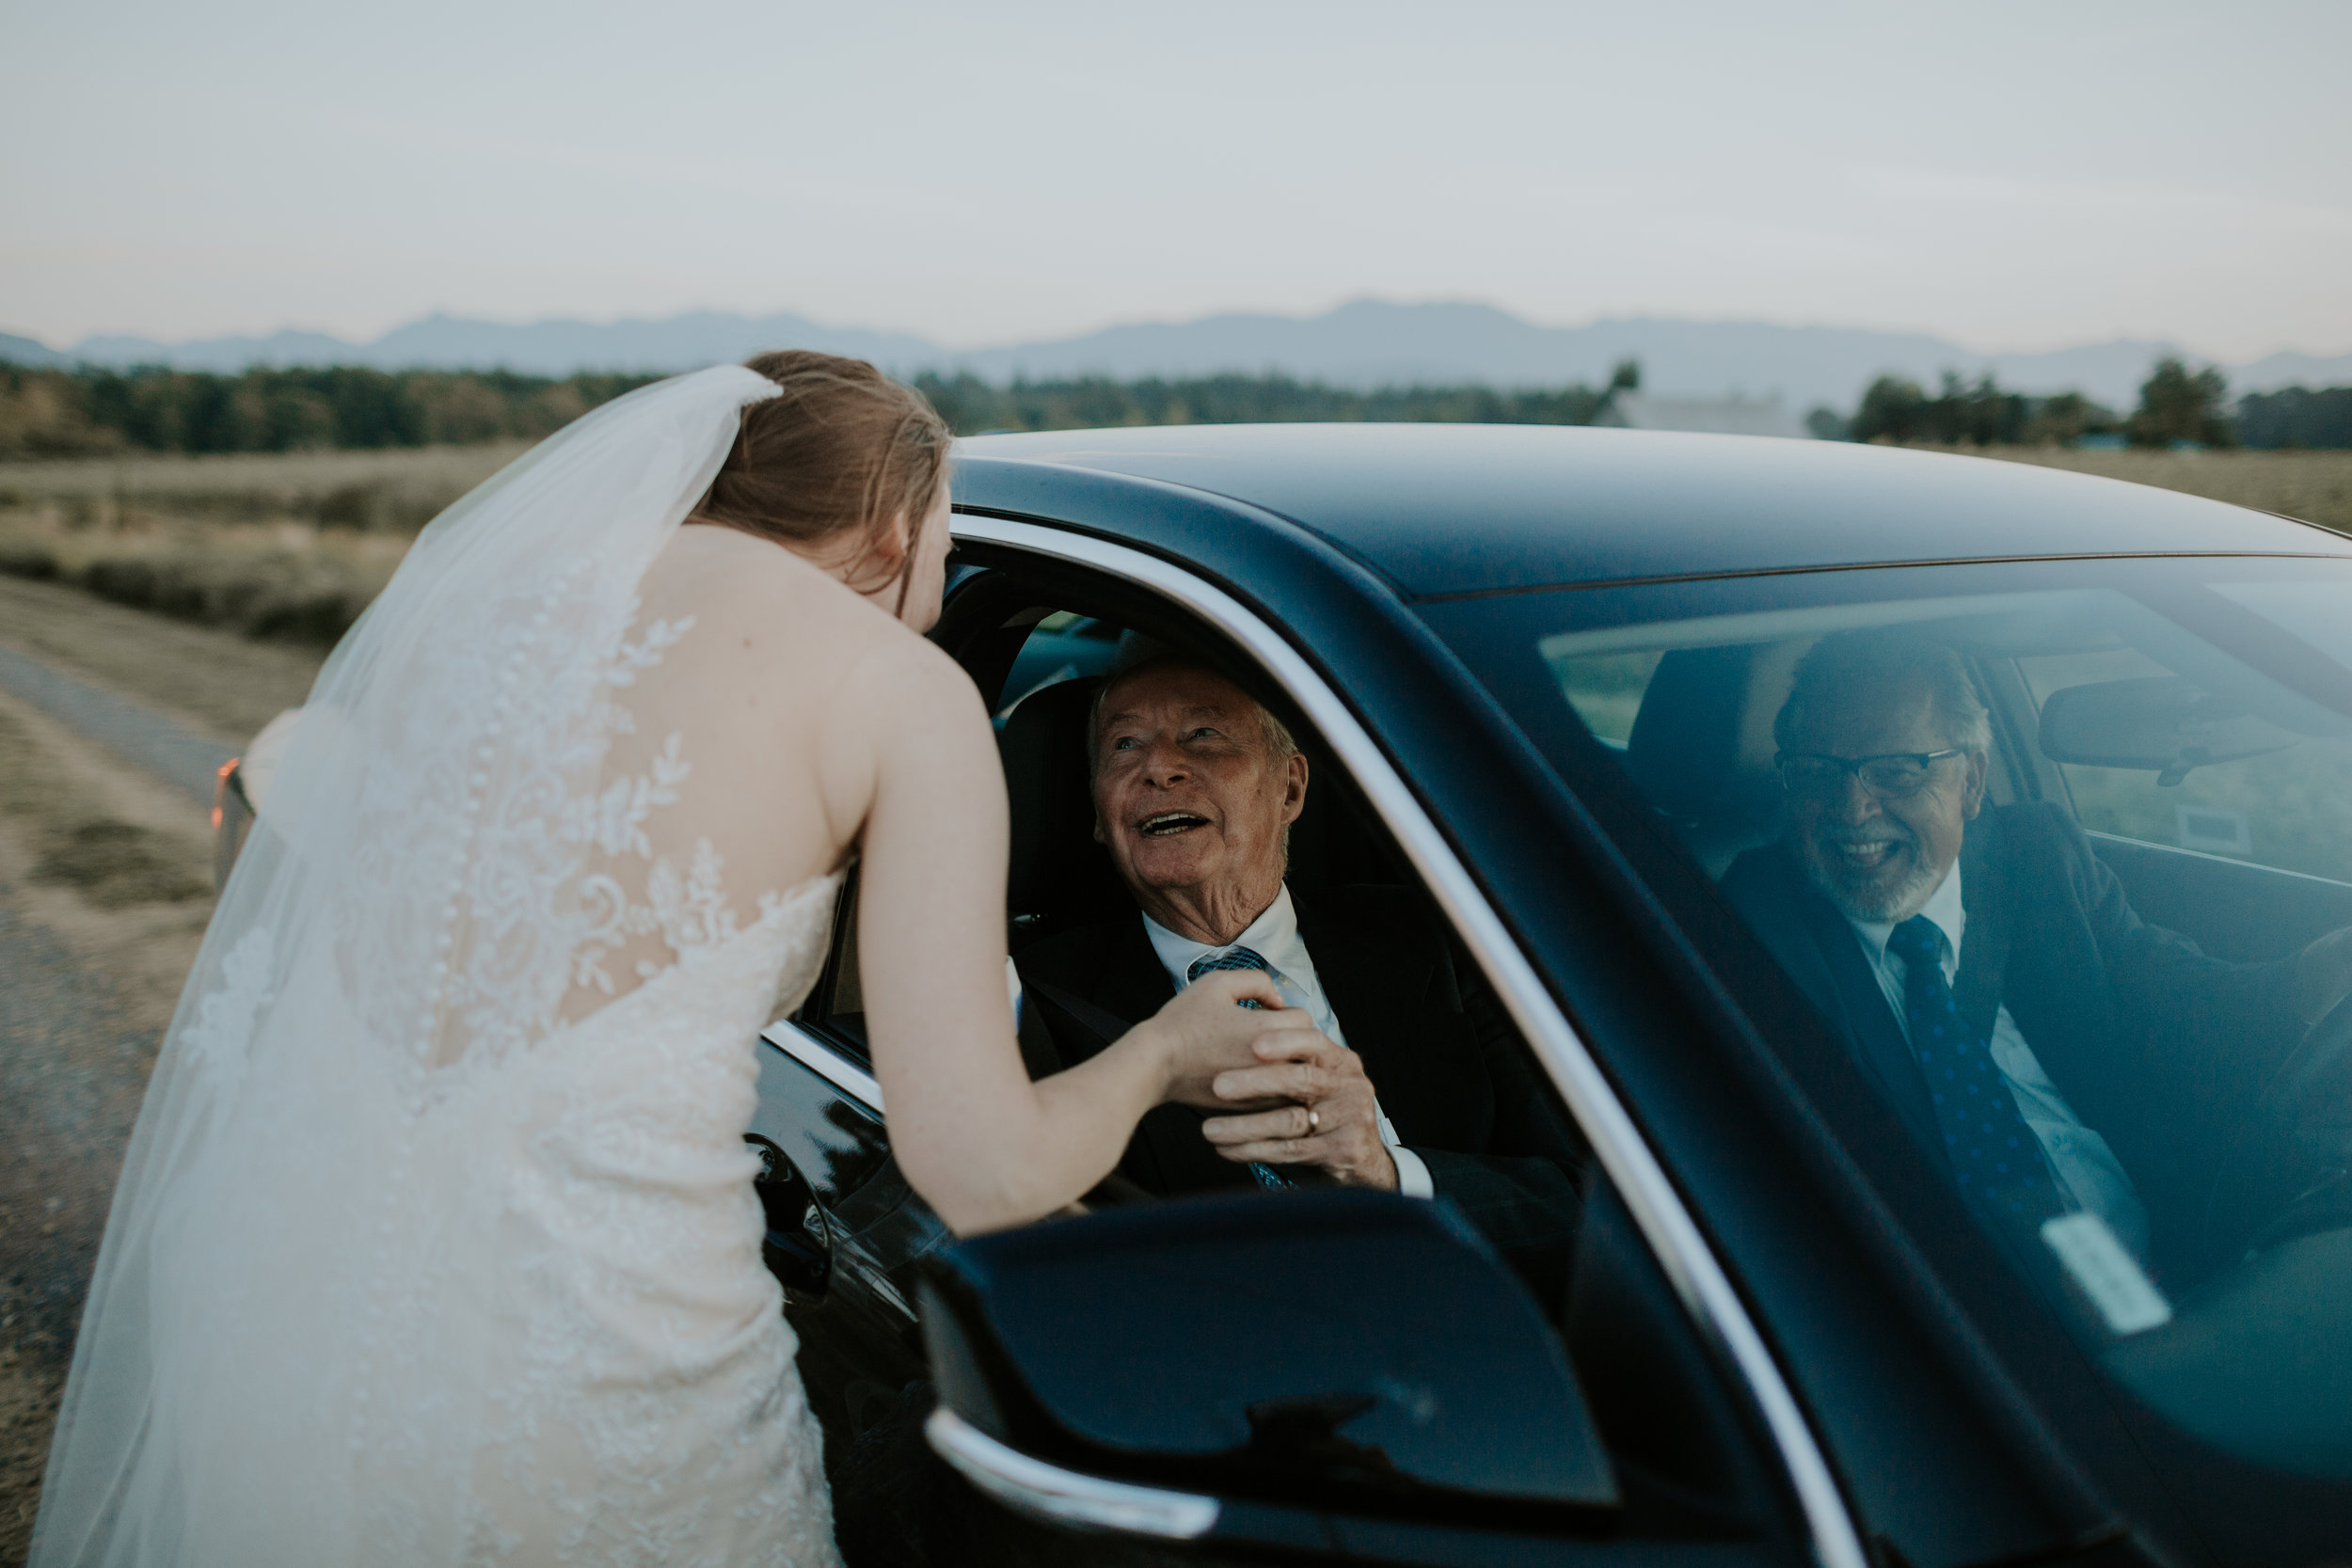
column 73, row 1059
column 138, row 733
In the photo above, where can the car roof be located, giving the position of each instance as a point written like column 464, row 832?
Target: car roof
column 1444, row 510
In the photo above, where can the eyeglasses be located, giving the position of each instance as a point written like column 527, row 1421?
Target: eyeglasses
column 1890, row 776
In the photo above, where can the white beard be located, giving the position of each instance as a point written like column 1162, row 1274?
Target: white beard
column 1879, row 903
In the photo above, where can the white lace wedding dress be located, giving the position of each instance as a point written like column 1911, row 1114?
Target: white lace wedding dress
column 436, row 1242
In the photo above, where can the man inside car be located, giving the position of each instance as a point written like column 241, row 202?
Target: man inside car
column 1986, row 968
column 1415, row 1084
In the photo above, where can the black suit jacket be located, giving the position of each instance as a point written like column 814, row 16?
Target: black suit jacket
column 2161, row 1049
column 1449, row 1070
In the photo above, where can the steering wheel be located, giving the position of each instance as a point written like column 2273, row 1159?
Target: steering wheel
column 2290, row 1172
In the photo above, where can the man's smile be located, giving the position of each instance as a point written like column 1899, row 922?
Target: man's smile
column 1168, row 824
column 1874, row 870
column 1866, row 854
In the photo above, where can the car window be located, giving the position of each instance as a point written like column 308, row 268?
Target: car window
column 2059, row 858
column 1448, row 1068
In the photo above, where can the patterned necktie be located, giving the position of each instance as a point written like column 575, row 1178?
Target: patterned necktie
column 1994, row 1155
column 1241, row 958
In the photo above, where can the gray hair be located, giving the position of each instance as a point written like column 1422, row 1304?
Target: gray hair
column 1845, row 662
column 1141, row 655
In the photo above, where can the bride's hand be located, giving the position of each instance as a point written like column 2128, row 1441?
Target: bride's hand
column 1205, row 1031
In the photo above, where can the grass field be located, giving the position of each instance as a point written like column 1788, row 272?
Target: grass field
column 284, row 547
column 293, row 548
column 396, row 490
column 2315, row 486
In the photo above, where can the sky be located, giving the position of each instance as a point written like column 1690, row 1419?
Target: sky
column 2011, row 176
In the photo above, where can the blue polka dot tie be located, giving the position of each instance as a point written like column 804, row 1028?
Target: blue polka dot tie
column 1994, row 1155
column 1241, row 958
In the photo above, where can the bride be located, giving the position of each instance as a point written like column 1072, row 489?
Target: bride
column 436, row 1242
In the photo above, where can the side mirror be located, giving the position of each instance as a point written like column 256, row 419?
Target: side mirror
column 2160, row 723
column 1292, row 1371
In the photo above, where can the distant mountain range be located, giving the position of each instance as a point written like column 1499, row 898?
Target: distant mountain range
column 1364, row 345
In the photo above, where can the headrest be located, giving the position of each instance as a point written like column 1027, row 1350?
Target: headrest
column 1684, row 750
column 1056, row 867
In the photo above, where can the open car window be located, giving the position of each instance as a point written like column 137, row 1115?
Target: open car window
column 1039, row 653
column 2058, row 857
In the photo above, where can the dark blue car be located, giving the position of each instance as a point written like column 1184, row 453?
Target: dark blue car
column 1545, row 679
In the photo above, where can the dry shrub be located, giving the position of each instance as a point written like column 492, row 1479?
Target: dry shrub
column 113, row 864
column 286, row 596
column 290, row 582
column 36, row 563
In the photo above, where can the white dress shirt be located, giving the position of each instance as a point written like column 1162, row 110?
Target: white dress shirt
column 2085, row 1167
column 1274, row 937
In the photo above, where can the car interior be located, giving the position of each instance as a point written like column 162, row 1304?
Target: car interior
column 1700, row 749
column 1040, row 666
column 2207, row 787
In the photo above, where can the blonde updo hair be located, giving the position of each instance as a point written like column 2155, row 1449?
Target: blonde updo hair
column 842, row 449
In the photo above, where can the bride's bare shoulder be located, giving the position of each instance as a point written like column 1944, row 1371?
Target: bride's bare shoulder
column 770, row 612
column 753, row 588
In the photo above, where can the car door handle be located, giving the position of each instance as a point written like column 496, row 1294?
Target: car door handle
column 798, row 1243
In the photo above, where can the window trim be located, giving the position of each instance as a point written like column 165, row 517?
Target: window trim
column 1657, row 1208
column 818, row 1056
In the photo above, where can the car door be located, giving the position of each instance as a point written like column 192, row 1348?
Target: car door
column 844, row 1229
column 1706, row 1443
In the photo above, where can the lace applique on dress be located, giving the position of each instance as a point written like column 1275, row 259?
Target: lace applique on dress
column 552, row 868
column 221, row 1039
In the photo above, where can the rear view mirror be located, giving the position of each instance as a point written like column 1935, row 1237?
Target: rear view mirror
column 1258, row 1369
column 2161, row 723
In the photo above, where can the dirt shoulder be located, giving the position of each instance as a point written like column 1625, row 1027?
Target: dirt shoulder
column 209, row 679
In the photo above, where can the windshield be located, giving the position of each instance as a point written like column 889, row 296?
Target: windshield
column 2061, row 854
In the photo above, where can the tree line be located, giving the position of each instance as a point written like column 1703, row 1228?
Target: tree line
column 973, row 406
column 90, row 411
column 2177, row 407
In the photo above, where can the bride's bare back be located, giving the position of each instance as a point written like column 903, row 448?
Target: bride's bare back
column 776, row 642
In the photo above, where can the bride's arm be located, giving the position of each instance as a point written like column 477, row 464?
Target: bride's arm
column 985, row 1145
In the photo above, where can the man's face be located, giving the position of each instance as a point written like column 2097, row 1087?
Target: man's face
column 1879, row 858
column 1187, row 794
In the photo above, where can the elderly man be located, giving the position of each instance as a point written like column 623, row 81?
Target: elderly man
column 1987, row 969
column 1415, row 1084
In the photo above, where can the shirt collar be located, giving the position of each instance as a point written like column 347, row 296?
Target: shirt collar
column 1943, row 909
column 1273, row 936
